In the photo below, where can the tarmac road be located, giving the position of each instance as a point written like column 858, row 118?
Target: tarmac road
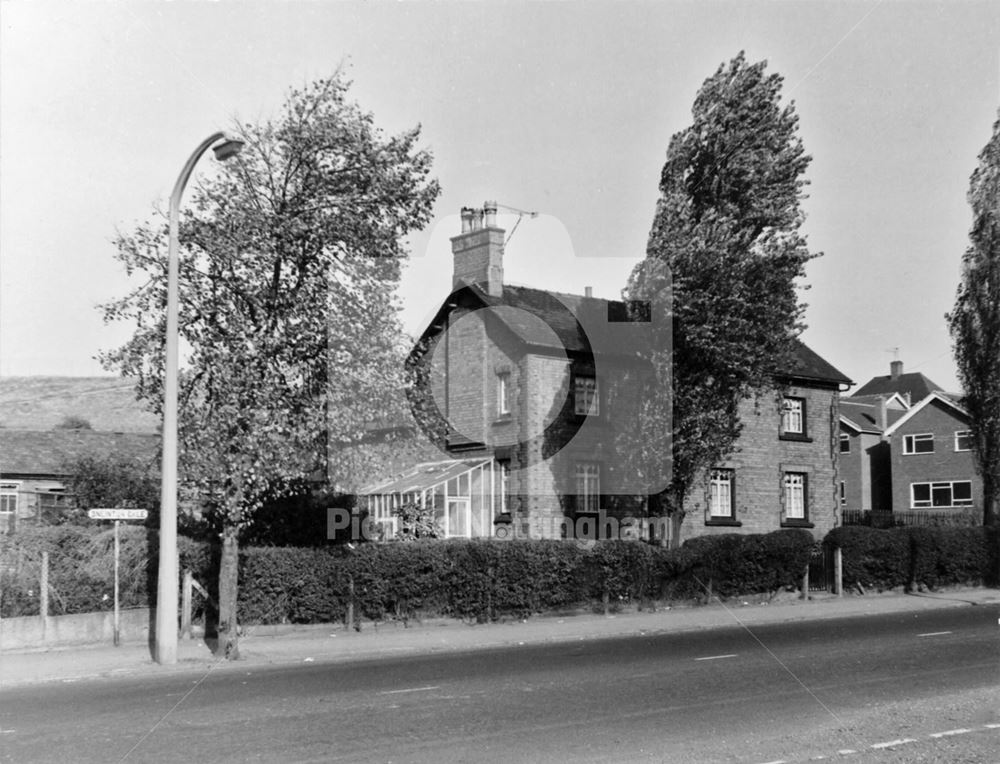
column 773, row 692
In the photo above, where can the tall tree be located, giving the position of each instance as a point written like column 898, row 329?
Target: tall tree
column 291, row 255
column 727, row 225
column 975, row 324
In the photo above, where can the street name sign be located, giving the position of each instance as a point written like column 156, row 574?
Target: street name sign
column 117, row 514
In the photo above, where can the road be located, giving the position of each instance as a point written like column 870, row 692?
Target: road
column 785, row 692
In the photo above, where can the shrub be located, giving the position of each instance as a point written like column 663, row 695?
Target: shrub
column 876, row 559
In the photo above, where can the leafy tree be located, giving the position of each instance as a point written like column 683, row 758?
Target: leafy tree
column 975, row 324
column 109, row 480
column 290, row 259
column 727, row 226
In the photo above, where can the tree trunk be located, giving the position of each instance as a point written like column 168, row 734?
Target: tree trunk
column 228, row 645
column 991, row 505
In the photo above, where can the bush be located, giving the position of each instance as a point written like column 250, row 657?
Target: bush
column 876, row 559
column 291, row 585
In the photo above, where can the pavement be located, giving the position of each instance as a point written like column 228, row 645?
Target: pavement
column 289, row 644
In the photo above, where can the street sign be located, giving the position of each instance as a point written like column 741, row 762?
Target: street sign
column 117, row 514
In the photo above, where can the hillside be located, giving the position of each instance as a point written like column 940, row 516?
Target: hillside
column 41, row 403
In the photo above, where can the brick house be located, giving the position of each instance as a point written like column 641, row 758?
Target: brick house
column 531, row 419
column 33, row 477
column 784, row 471
column 931, row 462
column 865, row 470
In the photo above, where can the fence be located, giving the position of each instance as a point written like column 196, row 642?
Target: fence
column 887, row 518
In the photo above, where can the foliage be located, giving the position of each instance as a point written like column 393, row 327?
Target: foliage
column 915, row 557
column 727, row 225
column 975, row 324
column 113, row 480
column 290, row 256
column 417, row 521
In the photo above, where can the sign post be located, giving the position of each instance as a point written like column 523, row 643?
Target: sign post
column 117, row 515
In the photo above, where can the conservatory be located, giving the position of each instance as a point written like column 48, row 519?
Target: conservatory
column 467, row 496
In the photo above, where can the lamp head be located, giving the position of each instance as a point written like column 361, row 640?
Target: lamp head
column 227, row 149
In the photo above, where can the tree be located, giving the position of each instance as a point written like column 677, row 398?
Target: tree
column 727, row 226
column 975, row 324
column 73, row 422
column 290, row 259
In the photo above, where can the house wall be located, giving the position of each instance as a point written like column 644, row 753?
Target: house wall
column 944, row 464
column 30, row 493
column 760, row 461
column 856, row 469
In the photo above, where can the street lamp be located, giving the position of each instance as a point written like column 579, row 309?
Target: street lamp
column 166, row 582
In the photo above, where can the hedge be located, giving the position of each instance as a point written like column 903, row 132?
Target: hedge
column 916, row 557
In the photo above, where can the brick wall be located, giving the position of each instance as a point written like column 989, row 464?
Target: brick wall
column 761, row 460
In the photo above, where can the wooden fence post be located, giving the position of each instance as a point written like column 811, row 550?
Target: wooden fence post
column 186, row 588
column 838, row 570
column 43, row 594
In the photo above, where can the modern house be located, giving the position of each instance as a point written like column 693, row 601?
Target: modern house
column 865, row 468
column 533, row 399
column 912, row 386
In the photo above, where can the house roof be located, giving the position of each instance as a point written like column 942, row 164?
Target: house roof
column 932, row 398
column 913, row 383
column 35, row 453
column 862, row 417
column 41, row 403
column 575, row 323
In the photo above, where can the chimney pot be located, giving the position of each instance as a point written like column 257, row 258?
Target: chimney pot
column 588, row 291
column 490, row 211
column 467, row 213
column 896, row 369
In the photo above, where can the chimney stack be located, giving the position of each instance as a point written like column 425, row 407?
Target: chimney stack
column 588, row 291
column 896, row 369
column 478, row 251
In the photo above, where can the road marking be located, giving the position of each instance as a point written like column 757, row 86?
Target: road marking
column 410, row 689
column 947, row 733
column 992, row 726
column 934, row 634
column 717, row 657
column 891, row 743
column 776, row 761
column 846, row 751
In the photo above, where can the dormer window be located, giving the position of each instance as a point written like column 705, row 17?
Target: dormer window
column 586, row 396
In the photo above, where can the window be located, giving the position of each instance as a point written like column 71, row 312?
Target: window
column 503, row 393
column 588, row 487
column 8, row 498
column 795, row 496
column 793, row 416
column 504, row 469
column 956, row 493
column 586, row 397
column 963, row 440
column 845, row 444
column 721, row 504
column 918, row 444
column 843, row 493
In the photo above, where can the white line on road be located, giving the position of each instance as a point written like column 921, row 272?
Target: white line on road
column 776, row 761
column 410, row 689
column 846, row 751
column 716, row 657
column 947, row 733
column 992, row 726
column 891, row 743
column 934, row 634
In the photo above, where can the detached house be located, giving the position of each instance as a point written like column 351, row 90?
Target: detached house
column 532, row 398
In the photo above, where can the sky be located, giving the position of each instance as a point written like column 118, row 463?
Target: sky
column 561, row 109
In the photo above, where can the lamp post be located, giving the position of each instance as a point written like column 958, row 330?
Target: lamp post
column 166, row 582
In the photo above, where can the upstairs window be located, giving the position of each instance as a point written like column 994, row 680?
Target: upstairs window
column 586, row 397
column 918, row 444
column 503, row 393
column 721, row 504
column 963, row 440
column 845, row 444
column 793, row 416
column 588, row 487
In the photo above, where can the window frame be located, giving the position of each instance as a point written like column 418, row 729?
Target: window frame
column 786, row 479
column 845, row 440
column 9, row 490
column 843, row 493
column 588, row 501
column 967, row 434
column 719, row 476
column 784, row 432
column 594, row 396
column 503, row 394
column 910, row 441
column 939, row 485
